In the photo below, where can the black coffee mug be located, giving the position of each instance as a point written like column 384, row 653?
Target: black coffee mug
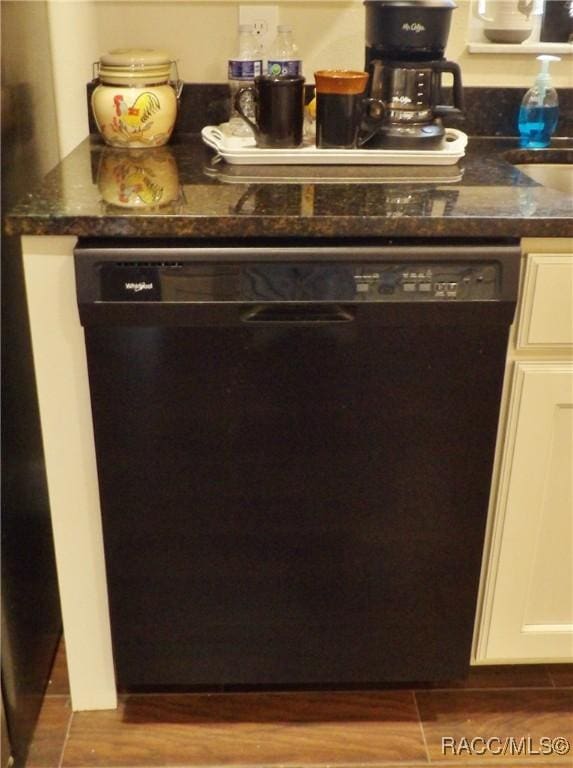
column 343, row 113
column 279, row 110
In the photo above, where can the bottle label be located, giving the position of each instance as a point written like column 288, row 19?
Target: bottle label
column 244, row 70
column 281, row 67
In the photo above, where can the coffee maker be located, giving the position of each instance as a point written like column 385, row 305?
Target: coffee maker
column 405, row 44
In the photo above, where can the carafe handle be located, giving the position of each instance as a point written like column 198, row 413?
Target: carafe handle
column 443, row 110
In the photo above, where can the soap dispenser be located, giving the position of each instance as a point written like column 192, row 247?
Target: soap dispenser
column 539, row 109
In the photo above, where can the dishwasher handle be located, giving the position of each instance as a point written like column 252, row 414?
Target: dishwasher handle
column 298, row 314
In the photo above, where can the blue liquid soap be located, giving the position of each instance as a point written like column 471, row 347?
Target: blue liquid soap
column 536, row 125
column 539, row 109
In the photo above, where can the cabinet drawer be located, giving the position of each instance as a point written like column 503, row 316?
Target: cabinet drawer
column 546, row 317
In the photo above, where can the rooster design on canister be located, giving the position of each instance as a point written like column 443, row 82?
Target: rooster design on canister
column 133, row 121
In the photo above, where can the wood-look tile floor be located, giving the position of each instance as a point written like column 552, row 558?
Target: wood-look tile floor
column 349, row 729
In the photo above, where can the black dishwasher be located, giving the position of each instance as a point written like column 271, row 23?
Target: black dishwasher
column 294, row 448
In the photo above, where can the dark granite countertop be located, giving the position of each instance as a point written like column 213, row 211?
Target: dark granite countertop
column 191, row 195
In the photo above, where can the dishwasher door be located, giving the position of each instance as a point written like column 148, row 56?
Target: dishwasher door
column 294, row 462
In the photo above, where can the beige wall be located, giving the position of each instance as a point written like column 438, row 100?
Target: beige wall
column 75, row 46
column 201, row 35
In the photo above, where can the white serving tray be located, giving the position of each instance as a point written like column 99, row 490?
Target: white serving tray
column 239, row 150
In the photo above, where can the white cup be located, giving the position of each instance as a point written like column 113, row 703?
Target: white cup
column 506, row 21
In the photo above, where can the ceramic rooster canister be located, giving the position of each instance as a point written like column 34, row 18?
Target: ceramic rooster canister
column 135, row 102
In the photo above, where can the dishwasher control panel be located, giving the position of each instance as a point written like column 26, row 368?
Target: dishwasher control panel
column 298, row 282
column 428, row 282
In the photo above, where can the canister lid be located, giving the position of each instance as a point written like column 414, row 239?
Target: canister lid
column 140, row 65
column 135, row 57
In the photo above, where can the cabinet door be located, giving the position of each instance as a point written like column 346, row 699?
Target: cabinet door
column 546, row 315
column 530, row 581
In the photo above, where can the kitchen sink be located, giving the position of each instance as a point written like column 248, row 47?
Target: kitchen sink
column 551, row 167
column 558, row 176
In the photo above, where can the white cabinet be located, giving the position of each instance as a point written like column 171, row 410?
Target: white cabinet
column 526, row 611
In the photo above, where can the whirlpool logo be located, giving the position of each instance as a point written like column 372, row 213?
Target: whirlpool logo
column 138, row 287
column 414, row 27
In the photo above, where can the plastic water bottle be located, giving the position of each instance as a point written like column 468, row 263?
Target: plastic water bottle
column 283, row 56
column 242, row 71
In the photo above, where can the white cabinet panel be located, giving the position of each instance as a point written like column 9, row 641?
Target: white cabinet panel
column 532, row 571
column 67, row 431
column 550, row 595
column 546, row 317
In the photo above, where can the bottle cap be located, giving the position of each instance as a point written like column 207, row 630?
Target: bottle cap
column 546, row 60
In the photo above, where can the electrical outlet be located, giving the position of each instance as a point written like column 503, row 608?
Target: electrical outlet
column 264, row 19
